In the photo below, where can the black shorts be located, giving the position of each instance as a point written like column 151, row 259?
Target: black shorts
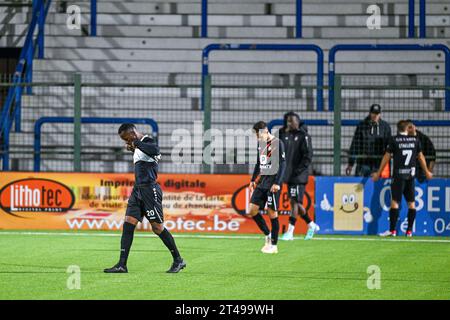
column 261, row 196
column 296, row 192
column 146, row 201
column 405, row 187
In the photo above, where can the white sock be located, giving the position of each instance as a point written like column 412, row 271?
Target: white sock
column 312, row 224
column 291, row 228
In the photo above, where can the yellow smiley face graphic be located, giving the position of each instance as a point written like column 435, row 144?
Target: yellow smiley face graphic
column 348, row 204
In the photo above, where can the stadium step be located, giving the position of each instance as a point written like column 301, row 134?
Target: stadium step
column 233, row 68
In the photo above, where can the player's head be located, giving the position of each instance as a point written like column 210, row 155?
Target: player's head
column 402, row 126
column 261, row 130
column 292, row 121
column 375, row 112
column 411, row 128
column 128, row 132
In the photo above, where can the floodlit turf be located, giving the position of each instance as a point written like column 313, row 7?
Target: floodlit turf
column 33, row 266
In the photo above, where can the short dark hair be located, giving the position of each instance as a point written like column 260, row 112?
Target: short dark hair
column 402, row 125
column 126, row 127
column 259, row 126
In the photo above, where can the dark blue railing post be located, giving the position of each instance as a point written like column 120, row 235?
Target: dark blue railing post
column 6, row 150
column 11, row 111
column 386, row 47
column 266, row 47
column 37, row 144
column 38, row 125
column 204, row 19
column 93, row 18
column 423, row 22
column 41, row 30
column 18, row 106
column 29, row 69
column 299, row 19
column 411, row 19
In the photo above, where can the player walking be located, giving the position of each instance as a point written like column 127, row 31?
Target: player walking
column 405, row 150
column 145, row 199
column 299, row 152
column 270, row 166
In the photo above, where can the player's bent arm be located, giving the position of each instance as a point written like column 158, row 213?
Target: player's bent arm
column 431, row 165
column 149, row 148
column 423, row 165
column 256, row 170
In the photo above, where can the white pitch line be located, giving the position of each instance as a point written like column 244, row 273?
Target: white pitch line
column 382, row 239
column 140, row 235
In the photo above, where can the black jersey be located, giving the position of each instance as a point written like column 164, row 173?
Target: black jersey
column 271, row 163
column 405, row 150
column 145, row 158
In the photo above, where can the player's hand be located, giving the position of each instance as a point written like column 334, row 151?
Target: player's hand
column 375, row 176
column 252, row 186
column 348, row 170
column 429, row 175
column 130, row 147
column 275, row 188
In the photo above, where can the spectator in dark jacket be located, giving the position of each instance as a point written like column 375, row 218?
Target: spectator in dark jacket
column 299, row 152
column 369, row 143
column 428, row 150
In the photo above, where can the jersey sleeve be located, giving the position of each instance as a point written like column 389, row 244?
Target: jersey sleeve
column 148, row 146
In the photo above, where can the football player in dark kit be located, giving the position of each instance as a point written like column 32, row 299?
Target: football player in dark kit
column 145, row 199
column 406, row 151
column 299, row 153
column 428, row 150
column 270, row 165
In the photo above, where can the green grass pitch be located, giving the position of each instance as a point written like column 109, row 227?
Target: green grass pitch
column 34, row 266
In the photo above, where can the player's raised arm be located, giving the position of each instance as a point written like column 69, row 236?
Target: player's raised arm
column 148, row 146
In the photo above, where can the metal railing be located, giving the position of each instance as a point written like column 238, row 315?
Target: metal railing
column 337, row 153
column 91, row 120
column 238, row 101
column 23, row 73
column 266, row 47
column 385, row 47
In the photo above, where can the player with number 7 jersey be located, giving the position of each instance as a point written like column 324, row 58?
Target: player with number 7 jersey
column 406, row 151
